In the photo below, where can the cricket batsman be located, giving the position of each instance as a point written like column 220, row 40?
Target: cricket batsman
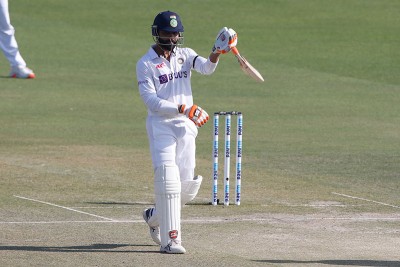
column 163, row 76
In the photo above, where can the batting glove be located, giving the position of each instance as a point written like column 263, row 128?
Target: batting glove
column 195, row 113
column 226, row 39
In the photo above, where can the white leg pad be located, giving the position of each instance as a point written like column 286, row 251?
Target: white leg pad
column 167, row 187
column 190, row 188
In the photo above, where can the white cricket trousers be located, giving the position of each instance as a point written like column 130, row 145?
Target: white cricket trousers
column 172, row 141
column 8, row 44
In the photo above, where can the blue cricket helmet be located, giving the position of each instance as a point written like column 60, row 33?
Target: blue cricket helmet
column 167, row 21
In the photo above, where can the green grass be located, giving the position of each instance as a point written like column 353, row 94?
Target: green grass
column 325, row 120
column 329, row 106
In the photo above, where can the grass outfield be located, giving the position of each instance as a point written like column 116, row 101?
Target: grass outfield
column 321, row 148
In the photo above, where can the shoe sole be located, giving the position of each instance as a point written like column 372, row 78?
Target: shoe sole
column 30, row 76
column 180, row 251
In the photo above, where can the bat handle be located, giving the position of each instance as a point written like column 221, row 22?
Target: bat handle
column 235, row 50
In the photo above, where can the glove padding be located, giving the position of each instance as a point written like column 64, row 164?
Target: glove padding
column 195, row 113
column 226, row 39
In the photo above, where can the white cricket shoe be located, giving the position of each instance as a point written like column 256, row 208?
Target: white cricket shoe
column 154, row 231
column 22, row 72
column 174, row 247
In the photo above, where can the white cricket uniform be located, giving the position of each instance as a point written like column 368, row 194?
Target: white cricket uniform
column 163, row 85
column 8, row 44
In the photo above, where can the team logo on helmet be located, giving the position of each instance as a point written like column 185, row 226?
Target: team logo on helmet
column 173, row 23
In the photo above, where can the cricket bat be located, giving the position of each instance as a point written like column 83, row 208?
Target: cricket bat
column 247, row 67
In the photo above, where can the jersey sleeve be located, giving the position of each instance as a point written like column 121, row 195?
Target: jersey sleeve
column 148, row 92
column 202, row 65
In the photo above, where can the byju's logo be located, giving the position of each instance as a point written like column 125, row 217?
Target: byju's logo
column 169, row 77
column 163, row 78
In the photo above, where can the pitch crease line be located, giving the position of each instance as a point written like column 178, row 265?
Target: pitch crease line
column 59, row 206
column 369, row 200
column 205, row 220
column 70, row 222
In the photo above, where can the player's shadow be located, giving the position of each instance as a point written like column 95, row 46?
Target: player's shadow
column 194, row 203
column 103, row 248
column 202, row 203
column 119, row 203
column 337, row 262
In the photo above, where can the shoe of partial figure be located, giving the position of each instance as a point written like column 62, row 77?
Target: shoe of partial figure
column 174, row 247
column 154, row 231
column 22, row 72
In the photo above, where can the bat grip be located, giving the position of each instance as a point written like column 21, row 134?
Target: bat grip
column 235, row 51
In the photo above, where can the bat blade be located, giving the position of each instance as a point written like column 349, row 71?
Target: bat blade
column 247, row 68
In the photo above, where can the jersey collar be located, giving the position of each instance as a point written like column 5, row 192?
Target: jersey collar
column 152, row 54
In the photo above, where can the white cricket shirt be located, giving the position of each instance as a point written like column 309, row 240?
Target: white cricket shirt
column 163, row 84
